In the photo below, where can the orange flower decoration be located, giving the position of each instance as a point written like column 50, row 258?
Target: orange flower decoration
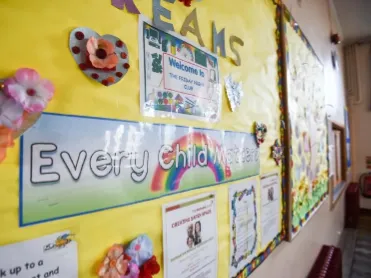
column 101, row 53
column 6, row 141
column 115, row 264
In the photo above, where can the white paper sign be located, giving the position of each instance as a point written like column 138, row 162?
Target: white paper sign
column 270, row 207
column 190, row 238
column 243, row 223
column 49, row 256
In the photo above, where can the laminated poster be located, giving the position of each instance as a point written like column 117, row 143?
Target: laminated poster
column 270, row 198
column 243, row 225
column 71, row 165
column 49, row 256
column 190, row 237
column 178, row 77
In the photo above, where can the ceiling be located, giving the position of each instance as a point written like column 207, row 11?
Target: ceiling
column 355, row 19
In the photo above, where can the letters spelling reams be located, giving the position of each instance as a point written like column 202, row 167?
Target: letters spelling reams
column 218, row 37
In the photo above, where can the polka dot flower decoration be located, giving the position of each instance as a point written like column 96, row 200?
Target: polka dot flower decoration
column 104, row 59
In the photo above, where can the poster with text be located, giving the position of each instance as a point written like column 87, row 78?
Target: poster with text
column 243, row 225
column 270, row 213
column 178, row 77
column 190, row 238
column 49, row 256
column 72, row 165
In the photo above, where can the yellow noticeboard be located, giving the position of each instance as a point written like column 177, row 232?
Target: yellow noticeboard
column 35, row 35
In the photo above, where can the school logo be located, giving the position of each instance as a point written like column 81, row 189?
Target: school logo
column 61, row 242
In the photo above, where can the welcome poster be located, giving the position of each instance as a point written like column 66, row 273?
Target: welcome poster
column 72, row 165
column 178, row 78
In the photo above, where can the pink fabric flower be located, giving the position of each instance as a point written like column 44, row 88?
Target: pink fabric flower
column 101, row 53
column 132, row 271
column 29, row 90
column 115, row 265
column 10, row 112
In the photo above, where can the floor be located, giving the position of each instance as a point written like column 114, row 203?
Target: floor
column 356, row 246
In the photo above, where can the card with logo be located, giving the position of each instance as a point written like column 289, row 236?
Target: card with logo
column 49, row 256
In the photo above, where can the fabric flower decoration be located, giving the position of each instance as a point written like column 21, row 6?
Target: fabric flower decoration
column 132, row 271
column 277, row 152
column 260, row 132
column 29, row 90
column 6, row 141
column 116, row 263
column 149, row 268
column 187, row 3
column 10, row 112
column 101, row 53
column 140, row 250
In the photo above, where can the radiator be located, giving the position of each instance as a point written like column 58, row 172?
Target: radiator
column 328, row 263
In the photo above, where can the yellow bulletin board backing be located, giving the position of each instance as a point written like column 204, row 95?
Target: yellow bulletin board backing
column 36, row 36
column 308, row 126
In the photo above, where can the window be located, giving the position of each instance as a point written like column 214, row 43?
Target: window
column 338, row 162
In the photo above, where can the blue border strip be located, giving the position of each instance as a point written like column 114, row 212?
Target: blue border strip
column 21, row 222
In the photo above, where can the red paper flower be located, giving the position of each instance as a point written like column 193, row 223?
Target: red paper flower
column 187, row 3
column 149, row 268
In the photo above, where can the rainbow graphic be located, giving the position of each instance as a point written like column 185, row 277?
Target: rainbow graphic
column 168, row 180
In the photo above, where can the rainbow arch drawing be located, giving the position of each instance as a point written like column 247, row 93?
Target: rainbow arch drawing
column 169, row 180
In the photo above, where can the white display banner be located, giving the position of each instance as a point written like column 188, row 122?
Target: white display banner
column 243, row 224
column 190, row 238
column 270, row 198
column 49, row 256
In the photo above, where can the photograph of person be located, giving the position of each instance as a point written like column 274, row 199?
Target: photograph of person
column 198, row 239
column 190, row 242
column 270, row 194
column 190, row 236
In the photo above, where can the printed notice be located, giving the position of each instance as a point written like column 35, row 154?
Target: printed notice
column 243, row 222
column 270, row 207
column 190, row 238
column 49, row 256
column 179, row 79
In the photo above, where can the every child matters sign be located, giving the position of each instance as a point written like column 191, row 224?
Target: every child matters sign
column 100, row 163
column 178, row 78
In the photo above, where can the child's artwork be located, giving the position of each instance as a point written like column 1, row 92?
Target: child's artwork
column 178, row 78
column 306, row 100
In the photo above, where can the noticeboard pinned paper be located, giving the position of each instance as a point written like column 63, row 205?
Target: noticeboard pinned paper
column 178, row 78
column 49, row 256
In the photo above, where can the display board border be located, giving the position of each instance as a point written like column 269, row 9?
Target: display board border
column 282, row 235
column 287, row 17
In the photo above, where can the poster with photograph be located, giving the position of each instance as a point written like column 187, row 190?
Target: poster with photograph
column 190, row 237
column 243, row 224
column 178, row 77
column 49, row 256
column 270, row 198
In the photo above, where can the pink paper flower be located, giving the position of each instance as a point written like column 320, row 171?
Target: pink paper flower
column 132, row 271
column 29, row 90
column 115, row 265
column 101, row 53
column 10, row 112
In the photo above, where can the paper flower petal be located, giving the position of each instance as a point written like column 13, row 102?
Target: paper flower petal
column 92, row 45
column 140, row 250
column 27, row 77
column 10, row 112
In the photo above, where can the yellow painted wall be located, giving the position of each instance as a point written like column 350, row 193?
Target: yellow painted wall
column 35, row 34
